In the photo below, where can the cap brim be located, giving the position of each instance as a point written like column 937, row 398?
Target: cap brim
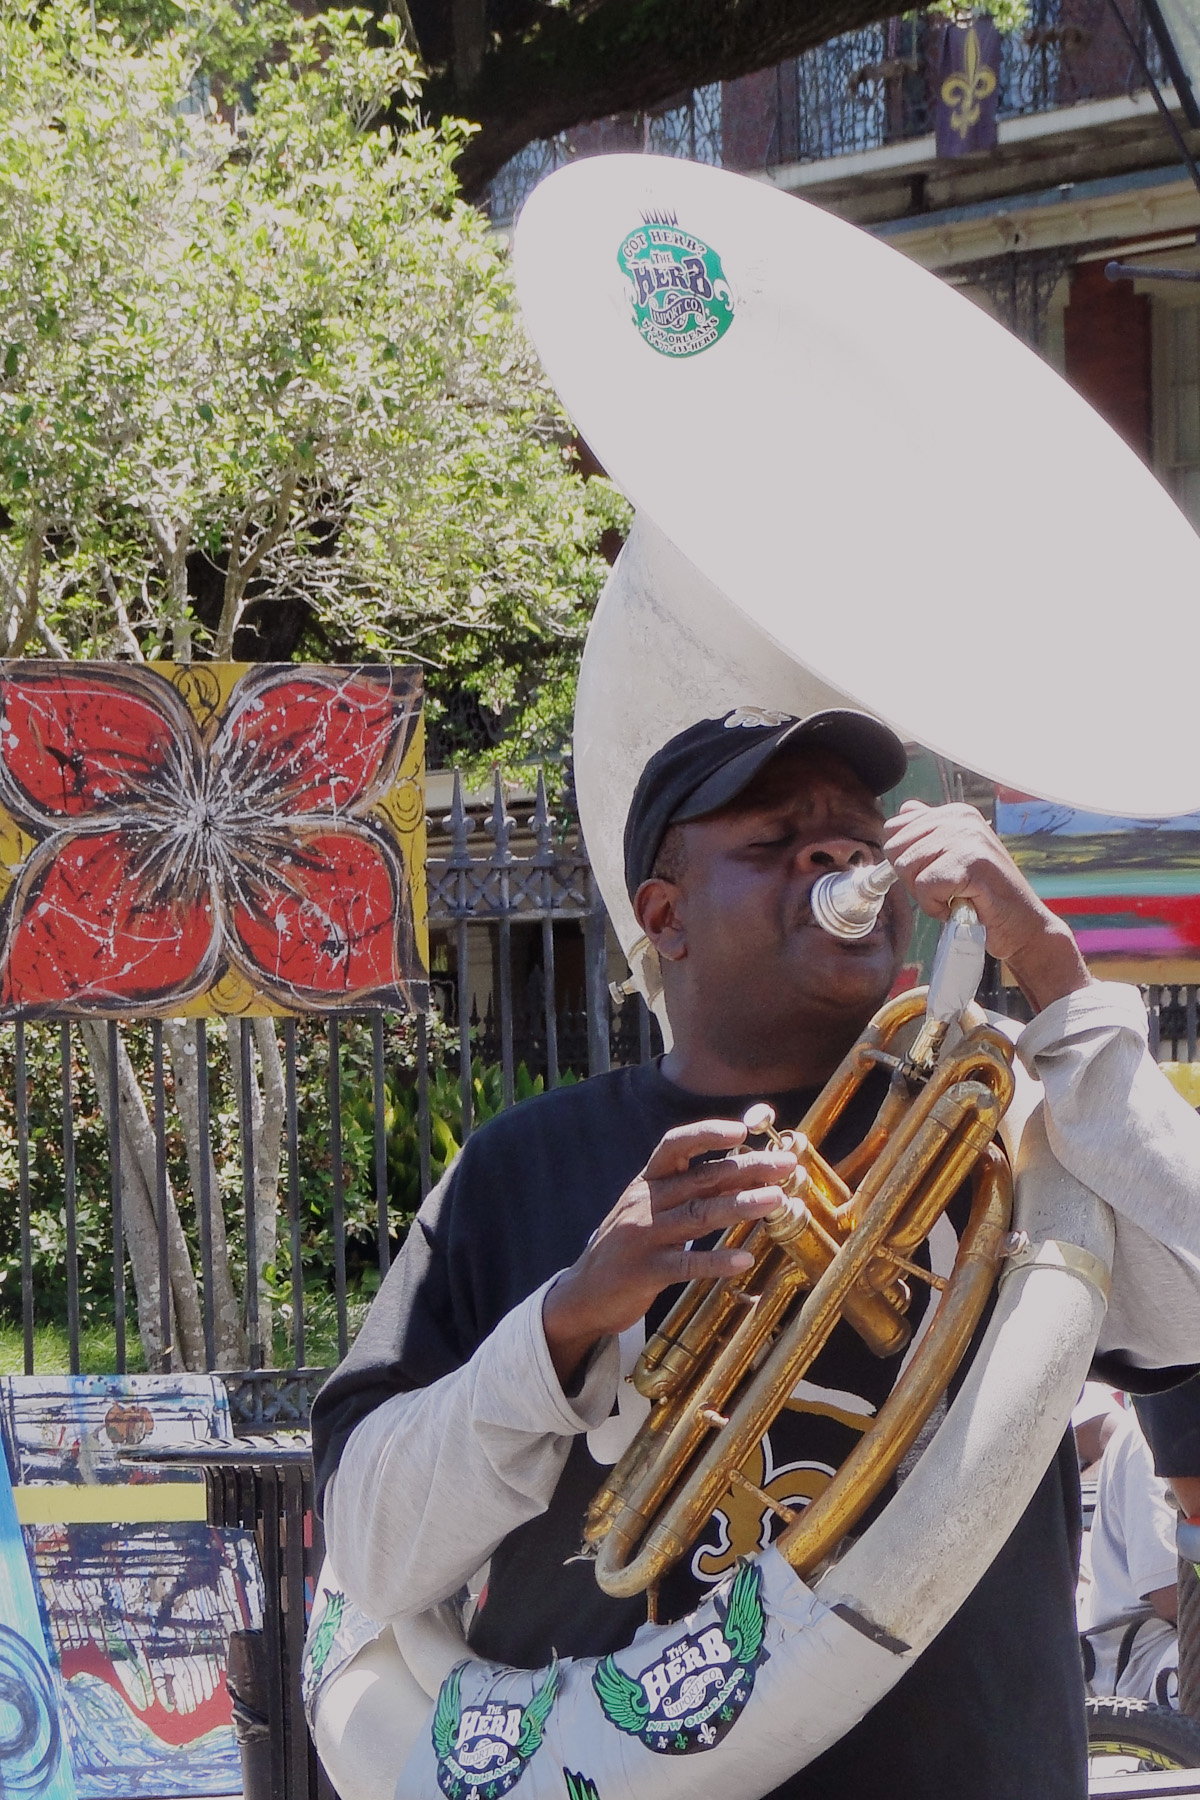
column 869, row 747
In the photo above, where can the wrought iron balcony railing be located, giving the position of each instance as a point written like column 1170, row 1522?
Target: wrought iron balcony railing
column 878, row 86
column 860, row 91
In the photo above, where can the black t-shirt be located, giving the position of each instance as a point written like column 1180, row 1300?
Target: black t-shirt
column 993, row 1709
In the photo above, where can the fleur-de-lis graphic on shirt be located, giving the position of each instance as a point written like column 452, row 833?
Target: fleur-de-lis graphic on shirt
column 966, row 90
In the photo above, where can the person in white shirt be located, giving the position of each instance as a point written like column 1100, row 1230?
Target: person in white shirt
column 1128, row 1609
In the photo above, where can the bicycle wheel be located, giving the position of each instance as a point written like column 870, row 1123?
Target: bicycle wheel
column 1125, row 1736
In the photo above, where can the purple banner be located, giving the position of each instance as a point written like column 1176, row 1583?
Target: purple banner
column 968, row 88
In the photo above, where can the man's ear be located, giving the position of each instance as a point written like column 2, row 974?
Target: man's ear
column 657, row 905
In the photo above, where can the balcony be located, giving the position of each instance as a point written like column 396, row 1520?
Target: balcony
column 861, row 92
column 871, row 88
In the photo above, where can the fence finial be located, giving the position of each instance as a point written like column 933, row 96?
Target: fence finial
column 543, row 822
column 459, row 824
column 500, row 826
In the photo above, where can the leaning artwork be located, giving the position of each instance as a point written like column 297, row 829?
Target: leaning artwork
column 139, row 1619
column 210, row 840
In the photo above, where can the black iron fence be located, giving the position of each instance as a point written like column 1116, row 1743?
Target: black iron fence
column 259, row 1213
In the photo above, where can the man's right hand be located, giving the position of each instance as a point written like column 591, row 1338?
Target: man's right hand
column 642, row 1246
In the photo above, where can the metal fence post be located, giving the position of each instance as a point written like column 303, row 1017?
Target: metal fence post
column 595, row 952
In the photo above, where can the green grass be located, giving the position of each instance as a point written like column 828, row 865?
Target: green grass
column 51, row 1351
column 98, row 1344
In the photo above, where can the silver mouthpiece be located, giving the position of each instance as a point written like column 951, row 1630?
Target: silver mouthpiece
column 846, row 905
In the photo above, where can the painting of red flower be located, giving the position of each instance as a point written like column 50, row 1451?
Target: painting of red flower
column 209, row 839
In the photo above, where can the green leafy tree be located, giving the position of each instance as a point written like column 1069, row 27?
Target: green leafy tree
column 262, row 383
column 264, row 391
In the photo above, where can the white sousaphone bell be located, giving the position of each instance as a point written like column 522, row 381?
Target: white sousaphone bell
column 852, row 488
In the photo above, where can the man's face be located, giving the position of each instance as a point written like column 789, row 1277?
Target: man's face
column 741, row 905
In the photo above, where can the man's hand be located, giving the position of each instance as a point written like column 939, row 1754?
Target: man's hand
column 948, row 853
column 642, row 1246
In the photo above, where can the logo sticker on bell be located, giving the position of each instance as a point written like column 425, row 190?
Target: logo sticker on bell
column 483, row 1749
column 694, row 1694
column 681, row 301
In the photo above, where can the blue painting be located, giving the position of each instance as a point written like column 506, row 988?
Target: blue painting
column 139, row 1618
column 34, row 1759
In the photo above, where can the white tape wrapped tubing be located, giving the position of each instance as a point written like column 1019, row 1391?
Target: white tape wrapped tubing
column 841, row 1645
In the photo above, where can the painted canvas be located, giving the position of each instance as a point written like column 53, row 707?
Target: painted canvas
column 34, row 1758
column 73, row 1428
column 1128, row 888
column 139, row 1618
column 211, row 839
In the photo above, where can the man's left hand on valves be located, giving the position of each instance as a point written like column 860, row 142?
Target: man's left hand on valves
column 947, row 853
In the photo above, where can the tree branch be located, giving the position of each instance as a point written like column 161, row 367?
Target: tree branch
column 53, row 642
column 23, row 617
column 125, row 633
column 564, row 65
column 470, row 40
column 239, row 574
column 172, row 543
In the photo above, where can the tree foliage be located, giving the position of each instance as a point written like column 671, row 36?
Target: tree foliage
column 263, row 389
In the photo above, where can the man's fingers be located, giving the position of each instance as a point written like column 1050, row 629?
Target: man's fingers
column 698, row 1217
column 760, row 1168
column 679, row 1147
column 915, row 823
column 705, row 1265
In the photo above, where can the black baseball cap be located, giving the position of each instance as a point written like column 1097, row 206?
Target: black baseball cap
column 705, row 767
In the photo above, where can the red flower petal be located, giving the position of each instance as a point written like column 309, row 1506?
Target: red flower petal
column 79, row 742
column 316, row 741
column 85, row 935
column 326, row 926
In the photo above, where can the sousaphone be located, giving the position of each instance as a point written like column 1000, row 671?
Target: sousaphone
column 852, row 487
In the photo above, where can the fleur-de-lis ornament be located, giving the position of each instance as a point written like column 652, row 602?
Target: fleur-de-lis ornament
column 966, row 90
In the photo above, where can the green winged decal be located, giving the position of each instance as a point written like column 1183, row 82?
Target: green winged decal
column 693, row 1694
column 745, row 1622
column 447, row 1712
column 624, row 1703
column 482, row 1748
column 321, row 1642
column 533, row 1719
column 580, row 1788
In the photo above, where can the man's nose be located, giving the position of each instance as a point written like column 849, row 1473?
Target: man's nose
column 826, row 854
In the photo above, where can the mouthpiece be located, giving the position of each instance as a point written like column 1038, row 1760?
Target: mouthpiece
column 847, row 905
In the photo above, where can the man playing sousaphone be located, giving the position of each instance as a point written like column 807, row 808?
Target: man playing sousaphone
column 483, row 1402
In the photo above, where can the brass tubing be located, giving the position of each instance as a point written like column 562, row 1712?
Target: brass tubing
column 825, row 1521
column 896, row 1102
column 929, row 1202
column 684, row 1432
column 620, row 1513
column 747, row 1359
column 700, row 1311
column 948, row 1072
column 842, row 1085
column 763, row 1399
column 875, row 1318
column 824, row 1191
column 807, row 1335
